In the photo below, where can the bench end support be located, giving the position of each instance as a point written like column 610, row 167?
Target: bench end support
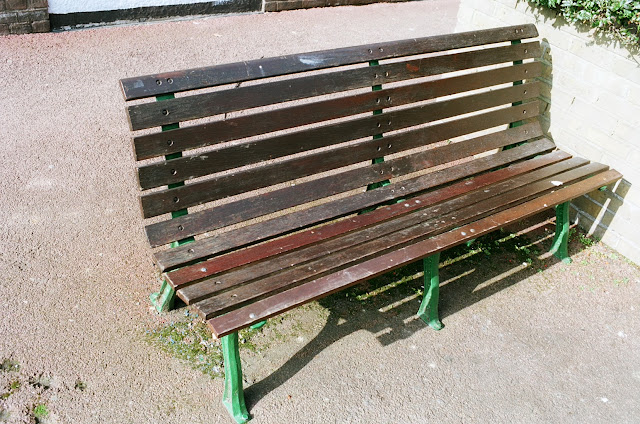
column 163, row 300
column 559, row 247
column 428, row 311
column 258, row 325
column 233, row 396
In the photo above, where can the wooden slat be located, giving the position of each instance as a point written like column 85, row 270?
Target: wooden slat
column 368, row 243
column 329, row 284
column 159, row 202
column 317, row 214
column 186, row 108
column 195, row 136
column 287, row 197
column 241, row 210
column 188, row 167
column 180, row 277
column 319, row 188
column 451, row 202
column 147, row 86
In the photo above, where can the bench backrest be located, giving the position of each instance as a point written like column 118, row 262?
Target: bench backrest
column 266, row 132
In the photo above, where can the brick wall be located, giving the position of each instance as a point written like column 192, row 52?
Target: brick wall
column 591, row 88
column 23, row 16
column 279, row 5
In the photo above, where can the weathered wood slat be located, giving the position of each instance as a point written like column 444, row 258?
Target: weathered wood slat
column 159, row 202
column 368, row 243
column 317, row 214
column 241, row 210
column 179, row 278
column 185, row 138
column 182, row 109
column 156, row 84
column 287, row 197
column 386, row 231
column 323, row 286
column 188, row 167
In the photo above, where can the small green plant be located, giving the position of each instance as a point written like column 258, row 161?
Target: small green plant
column 586, row 240
column 9, row 365
column 621, row 282
column 618, row 18
column 14, row 386
column 40, row 412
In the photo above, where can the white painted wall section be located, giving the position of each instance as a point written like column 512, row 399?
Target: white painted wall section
column 75, row 6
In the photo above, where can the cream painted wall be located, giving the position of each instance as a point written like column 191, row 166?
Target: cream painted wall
column 591, row 89
column 75, row 6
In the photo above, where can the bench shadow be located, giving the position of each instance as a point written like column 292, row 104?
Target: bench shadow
column 386, row 306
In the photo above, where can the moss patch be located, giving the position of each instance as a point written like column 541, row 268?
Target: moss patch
column 189, row 339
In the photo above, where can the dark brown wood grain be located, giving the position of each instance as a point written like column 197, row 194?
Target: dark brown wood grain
column 156, row 84
column 188, row 167
column 375, row 241
column 455, row 210
column 262, row 204
column 317, row 214
column 287, row 197
column 163, row 201
column 181, row 277
column 195, row 106
column 195, row 136
column 323, row 286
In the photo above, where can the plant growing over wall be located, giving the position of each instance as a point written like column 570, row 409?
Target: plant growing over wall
column 620, row 18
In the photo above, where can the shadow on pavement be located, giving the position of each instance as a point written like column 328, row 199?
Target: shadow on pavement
column 387, row 305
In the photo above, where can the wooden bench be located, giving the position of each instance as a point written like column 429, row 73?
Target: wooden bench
column 313, row 172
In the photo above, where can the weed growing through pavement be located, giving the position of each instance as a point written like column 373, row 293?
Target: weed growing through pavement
column 40, row 412
column 9, row 365
column 190, row 340
column 14, row 386
column 585, row 239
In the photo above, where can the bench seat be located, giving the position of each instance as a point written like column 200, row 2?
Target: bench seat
column 246, row 286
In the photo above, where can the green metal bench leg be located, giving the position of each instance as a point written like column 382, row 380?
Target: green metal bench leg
column 258, row 325
column 561, row 240
column 428, row 311
column 163, row 300
column 233, row 396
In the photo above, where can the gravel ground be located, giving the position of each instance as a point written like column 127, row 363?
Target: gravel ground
column 519, row 345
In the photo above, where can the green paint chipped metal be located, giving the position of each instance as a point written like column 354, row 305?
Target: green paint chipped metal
column 518, row 123
column 428, row 311
column 258, row 325
column 377, row 136
column 164, row 300
column 559, row 247
column 233, row 396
